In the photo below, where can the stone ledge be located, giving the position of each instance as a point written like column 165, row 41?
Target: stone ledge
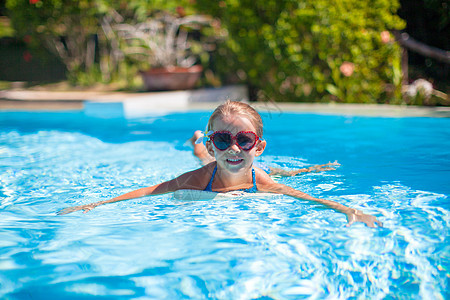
column 121, row 104
column 50, row 105
column 373, row 110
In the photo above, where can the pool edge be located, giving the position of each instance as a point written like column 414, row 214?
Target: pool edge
column 140, row 104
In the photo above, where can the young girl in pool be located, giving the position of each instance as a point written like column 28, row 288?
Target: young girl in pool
column 234, row 138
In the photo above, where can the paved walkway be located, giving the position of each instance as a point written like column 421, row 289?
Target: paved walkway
column 137, row 104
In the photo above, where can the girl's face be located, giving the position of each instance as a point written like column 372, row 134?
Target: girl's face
column 234, row 159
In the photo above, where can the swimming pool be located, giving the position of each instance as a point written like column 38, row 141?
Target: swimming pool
column 397, row 169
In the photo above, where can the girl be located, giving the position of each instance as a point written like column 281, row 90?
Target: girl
column 234, row 138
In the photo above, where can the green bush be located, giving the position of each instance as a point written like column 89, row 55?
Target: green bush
column 288, row 50
column 5, row 28
column 71, row 29
column 312, row 50
column 65, row 27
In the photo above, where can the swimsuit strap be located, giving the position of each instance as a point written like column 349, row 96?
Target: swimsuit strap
column 253, row 189
column 209, row 186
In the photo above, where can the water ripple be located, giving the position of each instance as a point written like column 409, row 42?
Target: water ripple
column 160, row 247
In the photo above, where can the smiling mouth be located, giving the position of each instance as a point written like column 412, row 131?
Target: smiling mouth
column 235, row 161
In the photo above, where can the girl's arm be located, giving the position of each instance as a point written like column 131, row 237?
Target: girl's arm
column 316, row 168
column 152, row 190
column 353, row 215
column 190, row 180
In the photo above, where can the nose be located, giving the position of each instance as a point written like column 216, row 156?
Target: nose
column 234, row 147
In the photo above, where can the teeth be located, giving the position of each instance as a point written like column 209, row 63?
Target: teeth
column 234, row 159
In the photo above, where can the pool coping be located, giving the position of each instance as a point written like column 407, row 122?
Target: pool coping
column 107, row 104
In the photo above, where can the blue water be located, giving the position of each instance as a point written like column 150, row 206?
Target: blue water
column 397, row 169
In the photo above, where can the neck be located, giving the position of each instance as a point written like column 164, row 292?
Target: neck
column 227, row 180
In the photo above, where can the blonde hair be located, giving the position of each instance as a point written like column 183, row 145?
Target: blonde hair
column 230, row 108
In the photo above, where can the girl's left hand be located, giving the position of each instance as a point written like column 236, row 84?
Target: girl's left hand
column 358, row 216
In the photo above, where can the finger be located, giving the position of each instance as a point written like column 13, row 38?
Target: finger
column 64, row 211
column 61, row 212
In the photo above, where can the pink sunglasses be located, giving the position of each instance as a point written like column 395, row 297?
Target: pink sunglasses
column 245, row 140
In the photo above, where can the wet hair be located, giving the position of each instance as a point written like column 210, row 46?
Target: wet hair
column 230, row 108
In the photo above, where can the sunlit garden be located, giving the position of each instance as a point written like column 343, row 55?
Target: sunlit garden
column 341, row 51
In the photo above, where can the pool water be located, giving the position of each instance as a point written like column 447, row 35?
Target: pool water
column 397, row 169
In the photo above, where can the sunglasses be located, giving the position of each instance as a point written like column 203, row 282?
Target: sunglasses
column 245, row 140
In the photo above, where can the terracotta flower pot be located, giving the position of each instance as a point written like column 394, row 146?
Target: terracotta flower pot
column 171, row 78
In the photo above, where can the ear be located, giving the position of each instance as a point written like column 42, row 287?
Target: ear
column 260, row 147
column 209, row 148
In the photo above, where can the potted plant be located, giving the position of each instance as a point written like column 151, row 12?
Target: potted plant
column 167, row 45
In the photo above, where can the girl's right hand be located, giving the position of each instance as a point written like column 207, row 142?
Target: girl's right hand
column 85, row 208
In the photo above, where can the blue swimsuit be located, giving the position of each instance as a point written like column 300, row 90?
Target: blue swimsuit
column 253, row 189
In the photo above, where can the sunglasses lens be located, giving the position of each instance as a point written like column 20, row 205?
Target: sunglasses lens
column 246, row 140
column 222, row 140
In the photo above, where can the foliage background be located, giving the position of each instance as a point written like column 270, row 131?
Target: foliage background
column 294, row 50
column 285, row 50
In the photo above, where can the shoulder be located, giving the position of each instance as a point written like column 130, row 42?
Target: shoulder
column 196, row 179
column 262, row 178
column 265, row 183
